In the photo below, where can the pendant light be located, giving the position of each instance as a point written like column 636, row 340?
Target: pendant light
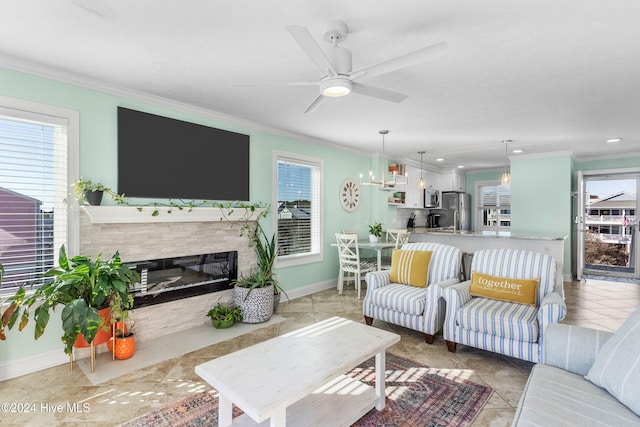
column 383, row 183
column 421, row 183
column 506, row 176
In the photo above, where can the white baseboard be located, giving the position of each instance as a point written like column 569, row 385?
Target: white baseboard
column 310, row 289
column 49, row 359
column 30, row 364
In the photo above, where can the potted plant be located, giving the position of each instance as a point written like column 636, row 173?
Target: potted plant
column 122, row 343
column 224, row 316
column 375, row 232
column 88, row 193
column 83, row 286
column 256, row 293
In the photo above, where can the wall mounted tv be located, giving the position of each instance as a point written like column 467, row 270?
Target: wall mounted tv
column 164, row 158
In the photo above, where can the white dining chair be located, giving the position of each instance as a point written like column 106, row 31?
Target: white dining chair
column 350, row 262
column 398, row 236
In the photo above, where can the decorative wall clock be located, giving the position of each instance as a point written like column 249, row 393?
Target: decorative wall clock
column 350, row 194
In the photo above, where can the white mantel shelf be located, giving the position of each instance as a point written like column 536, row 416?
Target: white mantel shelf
column 130, row 214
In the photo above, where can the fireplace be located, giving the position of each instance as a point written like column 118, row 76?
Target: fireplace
column 139, row 236
column 169, row 279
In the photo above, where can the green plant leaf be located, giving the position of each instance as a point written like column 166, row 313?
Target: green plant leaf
column 41, row 316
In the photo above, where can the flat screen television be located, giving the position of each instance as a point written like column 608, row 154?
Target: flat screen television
column 164, row 158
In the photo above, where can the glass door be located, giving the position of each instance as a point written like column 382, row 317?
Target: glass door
column 607, row 225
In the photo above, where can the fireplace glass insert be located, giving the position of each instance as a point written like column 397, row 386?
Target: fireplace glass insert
column 169, row 279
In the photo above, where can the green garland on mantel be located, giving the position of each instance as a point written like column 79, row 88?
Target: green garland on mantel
column 81, row 187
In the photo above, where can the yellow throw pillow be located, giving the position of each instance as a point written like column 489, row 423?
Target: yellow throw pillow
column 521, row 291
column 410, row 267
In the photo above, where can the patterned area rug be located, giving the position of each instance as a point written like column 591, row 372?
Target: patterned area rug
column 416, row 396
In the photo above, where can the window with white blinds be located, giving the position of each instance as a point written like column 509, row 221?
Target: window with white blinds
column 298, row 212
column 33, row 187
column 493, row 207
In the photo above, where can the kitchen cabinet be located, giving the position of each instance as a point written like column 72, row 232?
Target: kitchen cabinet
column 413, row 193
column 452, row 181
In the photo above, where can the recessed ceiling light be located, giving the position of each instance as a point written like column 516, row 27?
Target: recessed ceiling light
column 460, row 166
column 518, row 151
column 613, row 140
column 439, row 159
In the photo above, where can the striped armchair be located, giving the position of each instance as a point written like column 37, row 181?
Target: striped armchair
column 512, row 329
column 420, row 309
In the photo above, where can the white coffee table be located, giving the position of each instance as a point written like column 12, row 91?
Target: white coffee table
column 297, row 379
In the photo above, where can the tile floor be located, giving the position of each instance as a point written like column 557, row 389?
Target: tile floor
column 596, row 304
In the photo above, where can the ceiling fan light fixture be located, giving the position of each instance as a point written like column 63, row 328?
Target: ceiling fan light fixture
column 336, row 87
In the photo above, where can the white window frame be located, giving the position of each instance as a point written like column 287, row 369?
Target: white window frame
column 316, row 254
column 27, row 110
column 479, row 208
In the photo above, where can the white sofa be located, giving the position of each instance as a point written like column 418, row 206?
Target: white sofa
column 420, row 309
column 558, row 392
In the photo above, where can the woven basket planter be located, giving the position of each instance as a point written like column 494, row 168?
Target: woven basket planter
column 256, row 305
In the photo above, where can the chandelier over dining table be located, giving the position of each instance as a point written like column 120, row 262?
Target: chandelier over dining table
column 384, row 181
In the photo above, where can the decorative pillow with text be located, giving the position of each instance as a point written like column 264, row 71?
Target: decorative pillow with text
column 521, row 291
column 410, row 267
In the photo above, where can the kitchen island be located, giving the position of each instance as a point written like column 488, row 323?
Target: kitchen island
column 471, row 241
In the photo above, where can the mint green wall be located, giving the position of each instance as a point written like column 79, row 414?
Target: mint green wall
column 626, row 162
column 98, row 162
column 541, row 203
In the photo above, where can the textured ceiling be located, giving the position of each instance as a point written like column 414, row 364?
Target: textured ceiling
column 552, row 76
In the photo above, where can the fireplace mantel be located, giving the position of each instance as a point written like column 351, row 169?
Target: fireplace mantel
column 130, row 214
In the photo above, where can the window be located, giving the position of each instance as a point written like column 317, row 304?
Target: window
column 34, row 152
column 298, row 209
column 493, row 207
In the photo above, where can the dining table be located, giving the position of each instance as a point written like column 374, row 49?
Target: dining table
column 378, row 246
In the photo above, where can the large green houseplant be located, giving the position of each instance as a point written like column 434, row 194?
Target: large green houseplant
column 261, row 278
column 83, row 286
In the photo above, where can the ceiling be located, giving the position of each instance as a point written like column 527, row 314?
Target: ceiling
column 553, row 76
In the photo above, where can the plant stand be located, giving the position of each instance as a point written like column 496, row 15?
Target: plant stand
column 101, row 337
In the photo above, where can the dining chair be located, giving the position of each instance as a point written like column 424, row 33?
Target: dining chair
column 392, row 233
column 399, row 236
column 350, row 262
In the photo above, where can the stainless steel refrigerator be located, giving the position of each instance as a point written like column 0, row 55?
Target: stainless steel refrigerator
column 456, row 210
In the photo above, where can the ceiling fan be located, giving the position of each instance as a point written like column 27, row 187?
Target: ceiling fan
column 336, row 75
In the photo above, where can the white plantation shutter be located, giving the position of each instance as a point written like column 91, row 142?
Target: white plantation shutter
column 493, row 207
column 33, row 187
column 298, row 201
column 495, row 196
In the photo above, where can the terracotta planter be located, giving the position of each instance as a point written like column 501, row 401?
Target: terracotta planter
column 125, row 346
column 104, row 333
column 257, row 305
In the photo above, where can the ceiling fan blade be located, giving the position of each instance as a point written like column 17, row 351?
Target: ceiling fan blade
column 311, row 48
column 278, row 84
column 377, row 92
column 314, row 105
column 403, row 61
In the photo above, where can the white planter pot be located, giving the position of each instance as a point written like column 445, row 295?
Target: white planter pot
column 373, row 239
column 257, row 305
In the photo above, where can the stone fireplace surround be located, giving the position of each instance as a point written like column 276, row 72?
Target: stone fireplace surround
column 140, row 236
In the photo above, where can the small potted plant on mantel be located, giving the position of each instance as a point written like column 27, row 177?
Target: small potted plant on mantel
column 375, row 232
column 88, row 193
